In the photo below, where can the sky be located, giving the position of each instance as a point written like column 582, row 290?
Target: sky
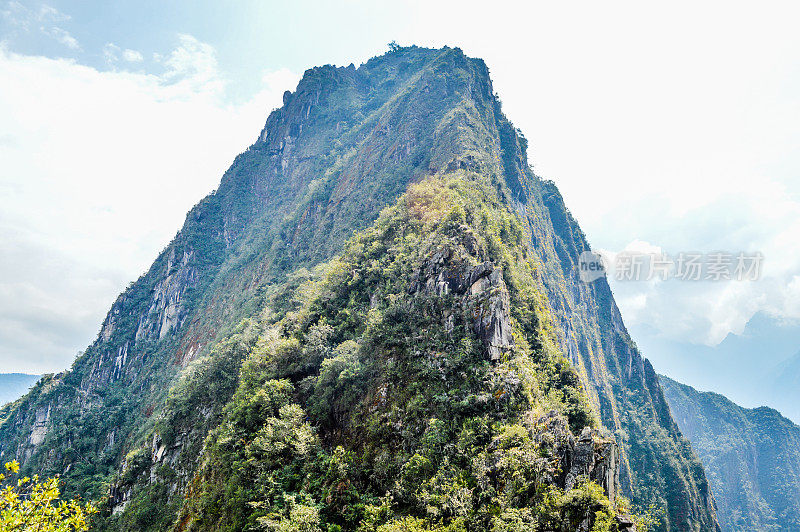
column 667, row 127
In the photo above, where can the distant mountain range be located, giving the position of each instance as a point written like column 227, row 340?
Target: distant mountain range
column 759, row 366
column 15, row 385
column 751, row 458
column 782, row 387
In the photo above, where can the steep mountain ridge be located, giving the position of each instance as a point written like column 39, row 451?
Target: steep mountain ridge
column 250, row 232
column 345, row 144
column 429, row 329
column 751, row 456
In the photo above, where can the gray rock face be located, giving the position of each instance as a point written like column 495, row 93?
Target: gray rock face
column 38, row 418
column 160, row 454
column 40, row 426
column 481, row 288
column 589, row 457
column 491, row 305
column 625, row 524
column 166, row 309
column 594, row 458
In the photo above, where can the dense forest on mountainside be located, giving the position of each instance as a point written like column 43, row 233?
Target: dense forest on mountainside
column 751, row 457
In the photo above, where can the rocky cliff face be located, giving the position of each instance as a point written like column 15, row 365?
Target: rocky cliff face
column 346, row 143
column 481, row 289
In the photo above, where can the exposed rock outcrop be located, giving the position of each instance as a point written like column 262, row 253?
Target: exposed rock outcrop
column 489, row 299
column 481, row 288
column 590, row 457
column 40, row 426
column 145, row 464
column 594, row 458
column 166, row 310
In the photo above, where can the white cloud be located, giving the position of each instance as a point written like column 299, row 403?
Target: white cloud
column 763, row 218
column 192, row 66
column 17, row 15
column 46, row 17
column 113, row 53
column 132, row 56
column 99, row 169
column 62, row 36
column 47, row 12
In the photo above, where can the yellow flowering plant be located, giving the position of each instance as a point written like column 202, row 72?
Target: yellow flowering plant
column 31, row 504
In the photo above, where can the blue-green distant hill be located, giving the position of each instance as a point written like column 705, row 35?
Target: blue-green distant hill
column 15, row 385
column 751, row 457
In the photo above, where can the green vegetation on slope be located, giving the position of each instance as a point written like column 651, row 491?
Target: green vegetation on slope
column 370, row 402
column 344, row 145
column 751, row 457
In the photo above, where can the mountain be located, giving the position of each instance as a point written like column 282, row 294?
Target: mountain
column 751, row 457
column 15, row 385
column 752, row 368
column 782, row 384
column 377, row 318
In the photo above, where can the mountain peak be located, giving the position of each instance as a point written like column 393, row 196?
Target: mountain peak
column 232, row 333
